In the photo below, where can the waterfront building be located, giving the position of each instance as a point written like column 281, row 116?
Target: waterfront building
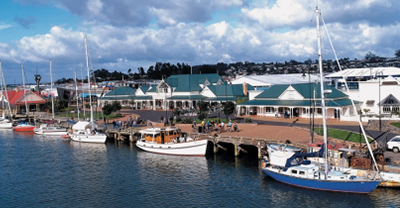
column 17, row 100
column 180, row 91
column 298, row 100
column 377, row 88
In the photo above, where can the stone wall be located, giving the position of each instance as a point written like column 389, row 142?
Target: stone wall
column 385, row 126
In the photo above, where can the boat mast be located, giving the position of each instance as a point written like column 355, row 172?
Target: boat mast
column 23, row 84
column 76, row 92
column 321, row 76
column 88, row 74
column 83, row 103
column 51, row 90
column 5, row 91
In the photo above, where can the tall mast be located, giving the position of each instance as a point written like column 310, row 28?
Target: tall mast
column 51, row 90
column 88, row 74
column 318, row 15
column 76, row 92
column 84, row 108
column 23, row 84
column 5, row 90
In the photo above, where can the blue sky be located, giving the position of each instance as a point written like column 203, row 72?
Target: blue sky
column 138, row 33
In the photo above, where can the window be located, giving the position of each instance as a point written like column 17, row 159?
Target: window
column 294, row 171
column 302, row 173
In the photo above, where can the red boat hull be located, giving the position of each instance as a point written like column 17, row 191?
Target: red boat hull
column 28, row 128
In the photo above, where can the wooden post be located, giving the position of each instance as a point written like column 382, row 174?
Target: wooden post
column 131, row 137
column 236, row 148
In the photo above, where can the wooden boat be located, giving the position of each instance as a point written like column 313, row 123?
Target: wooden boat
column 170, row 141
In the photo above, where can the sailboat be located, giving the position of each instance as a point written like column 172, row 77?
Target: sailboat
column 24, row 125
column 85, row 131
column 4, row 123
column 290, row 168
column 45, row 129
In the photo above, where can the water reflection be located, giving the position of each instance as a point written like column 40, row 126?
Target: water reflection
column 51, row 172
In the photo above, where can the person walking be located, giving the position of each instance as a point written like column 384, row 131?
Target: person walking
column 130, row 121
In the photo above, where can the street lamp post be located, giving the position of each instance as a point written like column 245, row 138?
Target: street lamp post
column 378, row 75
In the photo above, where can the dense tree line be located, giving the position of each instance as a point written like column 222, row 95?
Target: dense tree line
column 160, row 70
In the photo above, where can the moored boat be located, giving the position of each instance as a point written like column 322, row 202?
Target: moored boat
column 5, row 124
column 45, row 129
column 170, row 141
column 291, row 168
column 82, row 132
column 23, row 126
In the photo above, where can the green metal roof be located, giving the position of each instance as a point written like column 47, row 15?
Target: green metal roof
column 304, row 89
column 186, row 97
column 152, row 89
column 117, row 98
column 144, row 88
column 191, row 82
column 145, row 97
column 229, row 89
column 221, row 98
column 121, row 91
column 339, row 102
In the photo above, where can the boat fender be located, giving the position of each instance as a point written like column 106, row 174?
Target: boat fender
column 262, row 164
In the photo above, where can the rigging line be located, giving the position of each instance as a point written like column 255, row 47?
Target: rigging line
column 305, row 41
column 352, row 101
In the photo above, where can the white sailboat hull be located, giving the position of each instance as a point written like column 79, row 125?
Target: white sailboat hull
column 5, row 125
column 50, row 133
column 88, row 138
column 194, row 148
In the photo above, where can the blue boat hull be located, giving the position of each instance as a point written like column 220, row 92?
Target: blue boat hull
column 326, row 185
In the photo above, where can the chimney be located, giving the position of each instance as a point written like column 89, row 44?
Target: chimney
column 245, row 88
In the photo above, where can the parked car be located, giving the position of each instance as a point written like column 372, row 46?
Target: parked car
column 394, row 144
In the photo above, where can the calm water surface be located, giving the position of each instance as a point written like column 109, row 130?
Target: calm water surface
column 37, row 171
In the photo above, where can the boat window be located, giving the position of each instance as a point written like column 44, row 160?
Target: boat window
column 329, row 176
column 294, row 171
column 302, row 173
column 341, row 177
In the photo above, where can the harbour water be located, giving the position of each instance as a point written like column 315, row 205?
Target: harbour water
column 37, row 171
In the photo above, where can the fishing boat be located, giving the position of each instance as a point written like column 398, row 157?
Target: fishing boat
column 84, row 131
column 24, row 126
column 291, row 168
column 46, row 129
column 170, row 141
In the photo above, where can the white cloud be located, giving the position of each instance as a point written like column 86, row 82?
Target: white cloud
column 5, row 25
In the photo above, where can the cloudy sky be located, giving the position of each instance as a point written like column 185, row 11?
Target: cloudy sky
column 125, row 34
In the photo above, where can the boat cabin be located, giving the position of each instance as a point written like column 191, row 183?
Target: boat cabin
column 162, row 135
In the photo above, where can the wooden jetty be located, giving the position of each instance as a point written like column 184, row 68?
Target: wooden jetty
column 132, row 135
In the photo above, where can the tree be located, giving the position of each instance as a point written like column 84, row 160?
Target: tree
column 229, row 108
column 107, row 109
column 116, row 106
column 370, row 56
column 397, row 53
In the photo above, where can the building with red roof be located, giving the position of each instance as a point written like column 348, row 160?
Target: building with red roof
column 17, row 100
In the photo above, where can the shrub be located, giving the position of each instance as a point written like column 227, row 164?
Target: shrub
column 178, row 120
column 247, row 120
column 202, row 115
column 187, row 121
